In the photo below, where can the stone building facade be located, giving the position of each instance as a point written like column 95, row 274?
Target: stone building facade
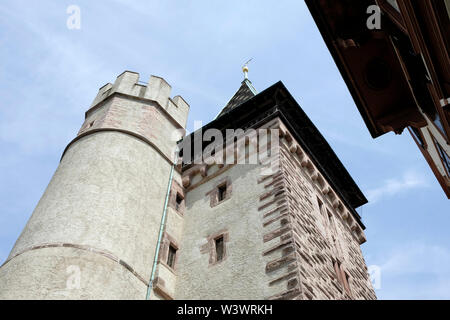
column 122, row 218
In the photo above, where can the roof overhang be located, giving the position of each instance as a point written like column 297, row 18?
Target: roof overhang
column 370, row 63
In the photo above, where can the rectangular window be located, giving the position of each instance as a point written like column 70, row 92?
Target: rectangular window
column 346, row 279
column 418, row 136
column 342, row 276
column 331, row 226
column 179, row 202
column 322, row 219
column 222, row 192
column 171, row 256
column 435, row 118
column 337, row 270
column 438, row 123
column 444, row 156
column 219, row 249
column 321, row 209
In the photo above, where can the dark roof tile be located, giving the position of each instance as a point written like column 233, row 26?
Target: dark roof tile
column 244, row 93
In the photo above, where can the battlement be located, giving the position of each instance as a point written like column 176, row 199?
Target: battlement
column 157, row 89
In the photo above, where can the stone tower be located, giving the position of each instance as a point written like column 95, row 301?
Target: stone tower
column 257, row 207
column 94, row 231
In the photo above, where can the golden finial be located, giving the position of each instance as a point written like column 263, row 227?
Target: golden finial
column 245, row 68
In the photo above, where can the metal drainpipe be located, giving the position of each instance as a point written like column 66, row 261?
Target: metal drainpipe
column 161, row 230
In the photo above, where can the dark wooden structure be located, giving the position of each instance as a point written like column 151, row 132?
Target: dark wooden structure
column 399, row 73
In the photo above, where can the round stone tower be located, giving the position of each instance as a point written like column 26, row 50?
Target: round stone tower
column 93, row 234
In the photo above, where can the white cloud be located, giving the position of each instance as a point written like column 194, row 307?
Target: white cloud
column 391, row 187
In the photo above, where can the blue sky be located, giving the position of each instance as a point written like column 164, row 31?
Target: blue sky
column 50, row 74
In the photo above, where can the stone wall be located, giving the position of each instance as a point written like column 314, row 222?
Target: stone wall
column 241, row 274
column 305, row 233
column 101, row 212
column 285, row 232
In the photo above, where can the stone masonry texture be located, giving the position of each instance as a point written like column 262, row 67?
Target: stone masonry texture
column 284, row 231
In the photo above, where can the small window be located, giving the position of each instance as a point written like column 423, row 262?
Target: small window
column 337, row 270
column 435, row 118
column 346, row 279
column 322, row 219
column 222, row 192
column 331, row 225
column 418, row 136
column 321, row 208
column 444, row 156
column 342, row 277
column 438, row 123
column 219, row 249
column 171, row 256
column 178, row 201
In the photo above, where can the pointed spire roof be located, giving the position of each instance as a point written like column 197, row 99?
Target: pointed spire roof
column 244, row 93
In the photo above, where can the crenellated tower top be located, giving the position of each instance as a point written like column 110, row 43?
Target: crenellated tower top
column 157, row 89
